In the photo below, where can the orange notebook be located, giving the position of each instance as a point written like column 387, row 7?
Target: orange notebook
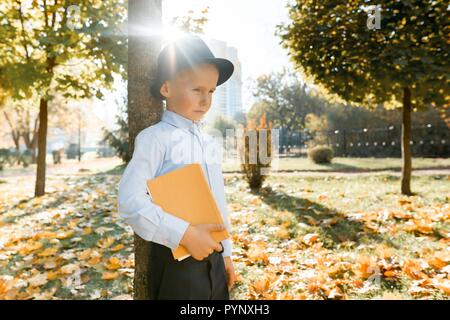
column 185, row 193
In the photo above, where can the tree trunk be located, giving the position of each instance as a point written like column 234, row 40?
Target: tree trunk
column 143, row 109
column 15, row 133
column 42, row 148
column 406, row 146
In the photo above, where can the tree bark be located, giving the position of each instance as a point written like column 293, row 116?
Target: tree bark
column 30, row 137
column 42, row 148
column 143, row 109
column 406, row 146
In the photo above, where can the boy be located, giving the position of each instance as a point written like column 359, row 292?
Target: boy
column 187, row 75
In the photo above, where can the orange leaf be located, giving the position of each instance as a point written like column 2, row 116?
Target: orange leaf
column 110, row 275
column 113, row 264
column 389, row 274
column 310, row 238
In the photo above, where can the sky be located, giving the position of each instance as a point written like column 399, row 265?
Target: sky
column 248, row 25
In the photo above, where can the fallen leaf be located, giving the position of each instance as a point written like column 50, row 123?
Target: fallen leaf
column 105, row 242
column 117, row 247
column 48, row 252
column 38, row 280
column 310, row 238
column 110, row 275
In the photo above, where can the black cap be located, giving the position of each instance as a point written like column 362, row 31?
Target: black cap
column 184, row 53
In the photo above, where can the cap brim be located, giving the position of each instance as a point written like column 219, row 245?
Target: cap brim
column 226, row 69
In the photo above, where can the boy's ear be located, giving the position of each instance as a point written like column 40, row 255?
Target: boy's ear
column 165, row 89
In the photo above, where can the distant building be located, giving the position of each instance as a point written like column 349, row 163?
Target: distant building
column 227, row 99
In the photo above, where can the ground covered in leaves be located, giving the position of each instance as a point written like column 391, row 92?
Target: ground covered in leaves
column 300, row 237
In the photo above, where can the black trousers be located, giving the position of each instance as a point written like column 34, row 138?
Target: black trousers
column 188, row 279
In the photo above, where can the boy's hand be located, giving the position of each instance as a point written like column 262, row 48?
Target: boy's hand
column 198, row 240
column 229, row 268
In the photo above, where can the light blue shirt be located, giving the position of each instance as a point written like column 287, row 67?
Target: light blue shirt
column 172, row 143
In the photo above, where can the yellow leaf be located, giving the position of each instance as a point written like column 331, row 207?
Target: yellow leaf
column 110, row 275
column 235, row 206
column 255, row 201
column 87, row 230
column 48, row 252
column 52, row 275
column 69, row 268
column 64, row 235
column 282, row 233
column 30, row 246
column 117, row 247
column 261, row 285
column 94, row 261
column 105, row 242
column 47, row 235
column 85, row 254
column 257, row 252
column 113, row 264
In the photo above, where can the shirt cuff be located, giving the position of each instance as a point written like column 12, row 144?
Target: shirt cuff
column 170, row 231
column 227, row 248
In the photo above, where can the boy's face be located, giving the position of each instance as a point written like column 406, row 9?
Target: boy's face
column 190, row 92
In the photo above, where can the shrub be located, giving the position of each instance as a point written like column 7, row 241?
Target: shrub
column 254, row 170
column 321, row 154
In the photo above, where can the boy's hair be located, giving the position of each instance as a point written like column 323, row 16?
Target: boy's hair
column 185, row 53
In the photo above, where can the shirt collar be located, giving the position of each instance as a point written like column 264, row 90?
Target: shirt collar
column 181, row 122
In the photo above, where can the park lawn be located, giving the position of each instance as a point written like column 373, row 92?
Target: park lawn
column 348, row 237
column 348, row 164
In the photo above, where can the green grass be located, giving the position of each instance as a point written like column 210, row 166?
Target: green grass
column 280, row 215
column 304, row 203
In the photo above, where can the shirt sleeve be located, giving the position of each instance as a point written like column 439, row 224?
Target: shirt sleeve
column 227, row 243
column 135, row 205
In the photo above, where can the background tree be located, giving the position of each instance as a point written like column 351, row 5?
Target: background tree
column 222, row 123
column 191, row 22
column 55, row 47
column 118, row 138
column 403, row 63
column 285, row 100
column 240, row 118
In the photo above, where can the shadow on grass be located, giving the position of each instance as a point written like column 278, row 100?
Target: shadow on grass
column 59, row 198
column 343, row 230
column 337, row 167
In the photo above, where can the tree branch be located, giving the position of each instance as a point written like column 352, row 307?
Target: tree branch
column 45, row 13
column 54, row 14
column 23, row 31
